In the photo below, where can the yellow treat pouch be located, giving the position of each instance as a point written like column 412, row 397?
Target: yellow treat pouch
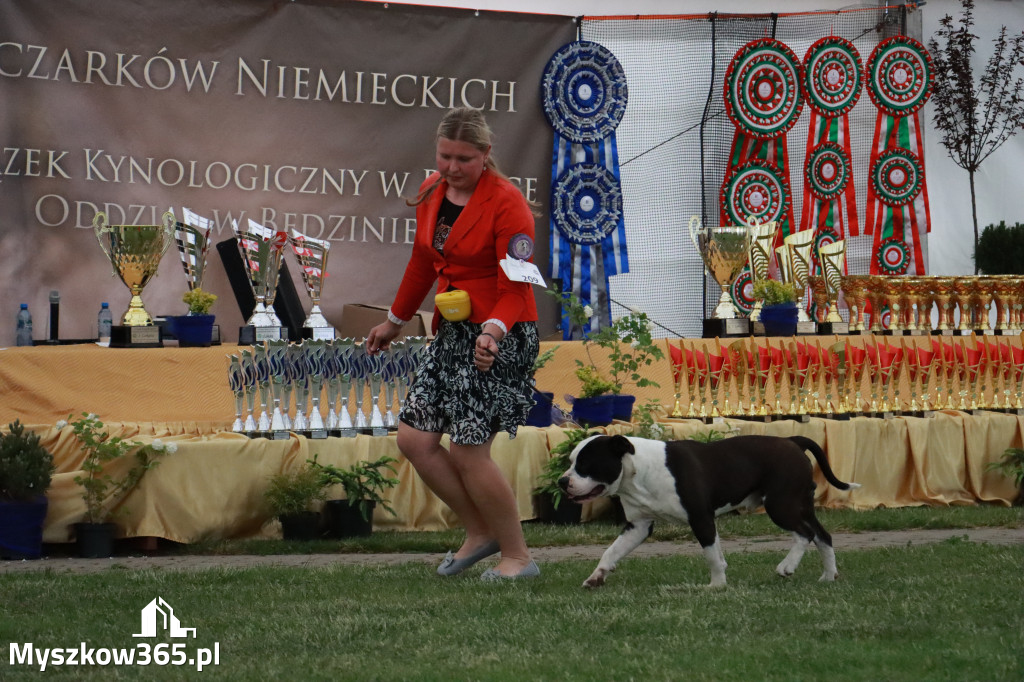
column 453, row 305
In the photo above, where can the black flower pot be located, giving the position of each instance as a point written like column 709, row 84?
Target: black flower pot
column 21, row 528
column 344, row 520
column 566, row 513
column 95, row 540
column 303, row 526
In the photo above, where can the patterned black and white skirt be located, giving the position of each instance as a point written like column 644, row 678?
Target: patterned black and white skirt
column 450, row 395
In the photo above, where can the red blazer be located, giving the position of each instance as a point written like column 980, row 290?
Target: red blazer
column 478, row 241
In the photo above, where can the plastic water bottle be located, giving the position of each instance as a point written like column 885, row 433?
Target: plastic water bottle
column 24, row 335
column 104, row 321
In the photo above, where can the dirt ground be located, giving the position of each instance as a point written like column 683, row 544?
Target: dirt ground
column 775, row 543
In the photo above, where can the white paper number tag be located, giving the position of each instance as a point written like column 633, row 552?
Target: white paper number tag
column 522, row 271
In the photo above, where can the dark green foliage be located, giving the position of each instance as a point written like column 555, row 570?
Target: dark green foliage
column 293, row 492
column 1000, row 250
column 363, row 482
column 25, row 465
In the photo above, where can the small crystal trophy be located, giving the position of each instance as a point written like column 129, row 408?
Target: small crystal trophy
column 277, row 360
column 251, row 381
column 237, row 383
column 300, row 379
column 314, row 356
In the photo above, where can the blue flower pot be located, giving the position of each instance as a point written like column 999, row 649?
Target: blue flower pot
column 193, row 330
column 623, row 407
column 21, row 528
column 540, row 413
column 779, row 320
column 596, row 411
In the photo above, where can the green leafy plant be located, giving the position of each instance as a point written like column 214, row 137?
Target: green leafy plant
column 710, row 436
column 26, row 467
column 294, row 492
column 627, row 341
column 555, row 467
column 1000, row 250
column 645, row 421
column 363, row 482
column 100, row 490
column 1012, row 466
column 199, row 302
column 543, row 359
column 774, row 292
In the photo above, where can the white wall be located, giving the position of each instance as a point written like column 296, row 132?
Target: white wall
column 999, row 183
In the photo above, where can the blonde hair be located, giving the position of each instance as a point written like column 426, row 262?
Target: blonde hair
column 463, row 124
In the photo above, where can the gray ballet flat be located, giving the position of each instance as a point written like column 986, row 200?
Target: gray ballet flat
column 532, row 570
column 452, row 566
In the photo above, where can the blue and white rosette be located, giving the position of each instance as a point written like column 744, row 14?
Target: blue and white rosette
column 584, row 95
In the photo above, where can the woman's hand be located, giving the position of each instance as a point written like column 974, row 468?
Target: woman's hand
column 381, row 336
column 486, row 349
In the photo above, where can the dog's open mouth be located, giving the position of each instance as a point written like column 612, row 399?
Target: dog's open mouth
column 594, row 492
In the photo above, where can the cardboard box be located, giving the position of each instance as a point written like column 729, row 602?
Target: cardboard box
column 358, row 318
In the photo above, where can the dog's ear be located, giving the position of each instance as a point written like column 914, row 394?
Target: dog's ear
column 621, row 446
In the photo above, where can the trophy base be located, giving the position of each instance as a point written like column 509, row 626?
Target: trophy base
column 318, row 434
column 280, row 434
column 319, row 333
column 758, row 418
column 717, row 327
column 807, row 328
column 250, row 335
column 831, row 328
column 123, row 336
column 905, row 332
column 802, row 418
column 1007, row 332
column 858, row 332
column 838, row 416
column 888, row 414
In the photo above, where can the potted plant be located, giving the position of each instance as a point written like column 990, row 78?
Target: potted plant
column 630, row 348
column 1012, row 466
column 364, row 483
column 26, row 468
column 778, row 306
column 547, row 494
column 290, row 495
column 101, row 490
column 196, row 328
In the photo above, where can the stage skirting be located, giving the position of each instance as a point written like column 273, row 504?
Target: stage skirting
column 212, row 486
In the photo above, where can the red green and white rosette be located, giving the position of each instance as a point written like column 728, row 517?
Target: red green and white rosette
column 755, row 190
column 893, row 257
column 899, row 75
column 896, row 176
column 827, row 171
column 762, row 89
column 742, row 292
column 832, row 76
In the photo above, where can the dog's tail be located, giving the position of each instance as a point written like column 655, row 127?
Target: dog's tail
column 822, row 458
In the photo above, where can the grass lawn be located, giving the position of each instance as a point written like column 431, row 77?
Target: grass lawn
column 948, row 611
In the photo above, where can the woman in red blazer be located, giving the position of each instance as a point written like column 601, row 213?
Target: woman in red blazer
column 475, row 379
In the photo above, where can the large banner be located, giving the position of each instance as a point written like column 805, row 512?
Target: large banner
column 299, row 115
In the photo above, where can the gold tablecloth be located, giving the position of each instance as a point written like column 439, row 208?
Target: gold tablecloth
column 212, row 486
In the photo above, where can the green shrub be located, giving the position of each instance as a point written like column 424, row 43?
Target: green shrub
column 1000, row 250
column 293, row 492
column 25, row 466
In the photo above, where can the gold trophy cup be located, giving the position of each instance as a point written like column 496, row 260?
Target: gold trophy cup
column 760, row 256
column 724, row 252
column 134, row 252
column 833, row 260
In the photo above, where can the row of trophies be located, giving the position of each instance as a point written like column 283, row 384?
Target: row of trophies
column 280, row 387
column 898, row 305
column 811, row 379
column 135, row 251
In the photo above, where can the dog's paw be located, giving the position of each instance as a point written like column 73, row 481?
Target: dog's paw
column 596, row 579
column 785, row 568
column 828, row 577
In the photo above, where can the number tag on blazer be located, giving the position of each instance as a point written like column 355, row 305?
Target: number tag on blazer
column 522, row 271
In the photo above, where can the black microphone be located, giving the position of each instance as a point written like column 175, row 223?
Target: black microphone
column 54, row 317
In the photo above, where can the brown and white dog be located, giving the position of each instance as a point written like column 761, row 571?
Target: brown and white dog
column 691, row 482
